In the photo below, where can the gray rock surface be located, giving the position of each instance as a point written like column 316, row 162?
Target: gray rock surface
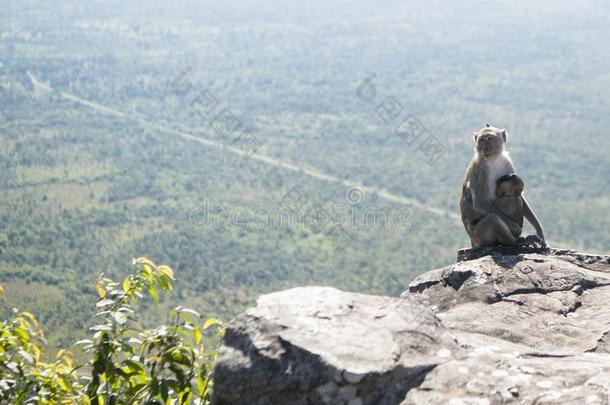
column 522, row 328
column 475, row 253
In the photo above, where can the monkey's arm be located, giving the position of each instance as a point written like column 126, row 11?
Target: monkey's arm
column 531, row 217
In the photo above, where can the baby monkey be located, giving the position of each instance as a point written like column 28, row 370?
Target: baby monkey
column 508, row 199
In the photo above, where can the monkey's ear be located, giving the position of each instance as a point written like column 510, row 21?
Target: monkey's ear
column 504, row 135
column 475, row 135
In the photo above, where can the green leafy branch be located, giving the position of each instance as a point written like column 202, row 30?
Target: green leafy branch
column 128, row 364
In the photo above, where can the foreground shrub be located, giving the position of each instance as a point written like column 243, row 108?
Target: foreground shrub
column 128, row 364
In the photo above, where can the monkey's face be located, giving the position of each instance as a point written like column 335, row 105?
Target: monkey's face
column 509, row 186
column 489, row 142
column 507, row 190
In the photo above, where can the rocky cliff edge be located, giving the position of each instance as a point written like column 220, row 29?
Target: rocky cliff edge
column 502, row 328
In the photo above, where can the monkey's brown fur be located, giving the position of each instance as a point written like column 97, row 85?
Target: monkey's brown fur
column 508, row 198
column 484, row 222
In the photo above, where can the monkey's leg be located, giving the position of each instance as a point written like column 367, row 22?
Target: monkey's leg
column 513, row 208
column 491, row 230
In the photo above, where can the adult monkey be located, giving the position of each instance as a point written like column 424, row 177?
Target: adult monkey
column 484, row 222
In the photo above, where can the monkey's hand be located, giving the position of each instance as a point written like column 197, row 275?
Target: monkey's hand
column 540, row 236
column 544, row 244
column 536, row 240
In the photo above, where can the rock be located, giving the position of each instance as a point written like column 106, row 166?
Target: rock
column 475, row 253
column 502, row 328
column 292, row 345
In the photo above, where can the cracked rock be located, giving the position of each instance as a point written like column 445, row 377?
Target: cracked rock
column 518, row 327
column 282, row 351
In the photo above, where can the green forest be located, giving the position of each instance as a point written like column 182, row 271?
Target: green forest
column 176, row 132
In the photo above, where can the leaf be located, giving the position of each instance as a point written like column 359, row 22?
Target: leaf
column 185, row 397
column 135, row 367
column 145, row 261
column 210, row 322
column 135, row 341
column 148, row 274
column 68, row 359
column 190, row 312
column 37, row 352
column 126, row 284
column 63, row 382
column 27, row 356
column 119, row 317
column 101, row 327
column 1, row 290
column 112, row 284
column 99, row 287
column 126, row 308
column 164, row 269
column 104, row 302
column 101, row 313
column 12, row 366
column 164, row 282
column 201, row 384
column 31, row 317
column 164, row 391
column 153, row 294
column 197, row 334
column 23, row 335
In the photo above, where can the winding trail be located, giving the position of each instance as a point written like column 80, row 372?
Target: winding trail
column 311, row 172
